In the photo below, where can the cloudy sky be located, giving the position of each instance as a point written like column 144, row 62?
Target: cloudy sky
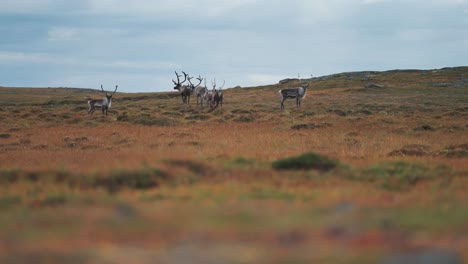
column 138, row 44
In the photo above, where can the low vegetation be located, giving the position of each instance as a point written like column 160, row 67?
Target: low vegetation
column 307, row 161
column 358, row 173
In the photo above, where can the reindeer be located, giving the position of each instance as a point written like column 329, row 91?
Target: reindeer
column 197, row 89
column 217, row 95
column 296, row 92
column 104, row 104
column 184, row 90
column 208, row 95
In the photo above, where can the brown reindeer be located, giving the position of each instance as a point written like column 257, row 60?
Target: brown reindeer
column 184, row 90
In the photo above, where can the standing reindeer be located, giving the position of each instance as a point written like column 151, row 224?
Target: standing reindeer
column 197, row 89
column 208, row 95
column 296, row 92
column 104, row 104
column 185, row 91
column 217, row 95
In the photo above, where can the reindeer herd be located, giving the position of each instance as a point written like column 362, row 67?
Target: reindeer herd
column 213, row 97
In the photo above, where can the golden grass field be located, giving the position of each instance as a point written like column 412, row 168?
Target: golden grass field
column 157, row 181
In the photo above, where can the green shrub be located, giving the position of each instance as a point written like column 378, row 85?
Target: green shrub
column 401, row 175
column 306, row 161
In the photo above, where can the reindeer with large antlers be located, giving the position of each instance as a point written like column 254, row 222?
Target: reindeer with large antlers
column 104, row 104
column 185, row 90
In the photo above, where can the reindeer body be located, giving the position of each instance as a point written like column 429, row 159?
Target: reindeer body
column 104, row 104
column 208, row 97
column 185, row 93
column 217, row 98
column 298, row 93
column 195, row 88
column 200, row 92
column 184, row 90
column 216, row 95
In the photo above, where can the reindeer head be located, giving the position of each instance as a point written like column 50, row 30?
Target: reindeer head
column 109, row 96
column 192, row 86
column 178, row 84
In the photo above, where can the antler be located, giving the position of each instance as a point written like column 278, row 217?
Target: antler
column 102, row 89
column 178, row 80
column 213, row 83
column 185, row 77
column 189, row 79
column 200, row 79
column 115, row 89
column 224, row 82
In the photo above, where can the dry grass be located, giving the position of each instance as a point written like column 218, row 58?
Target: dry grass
column 160, row 181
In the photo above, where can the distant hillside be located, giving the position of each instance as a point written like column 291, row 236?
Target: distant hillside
column 456, row 77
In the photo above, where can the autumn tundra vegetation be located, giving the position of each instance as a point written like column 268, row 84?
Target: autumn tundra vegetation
column 371, row 168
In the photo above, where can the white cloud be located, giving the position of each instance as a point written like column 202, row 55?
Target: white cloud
column 83, row 33
column 167, row 8
column 59, row 33
column 41, row 58
column 15, row 57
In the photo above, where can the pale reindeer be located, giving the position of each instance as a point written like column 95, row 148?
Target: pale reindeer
column 208, row 95
column 184, row 90
column 197, row 89
column 104, row 104
column 298, row 93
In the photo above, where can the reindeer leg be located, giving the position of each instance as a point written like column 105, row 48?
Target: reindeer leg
column 91, row 110
column 282, row 103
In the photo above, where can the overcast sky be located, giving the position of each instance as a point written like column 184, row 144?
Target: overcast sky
column 138, row 44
